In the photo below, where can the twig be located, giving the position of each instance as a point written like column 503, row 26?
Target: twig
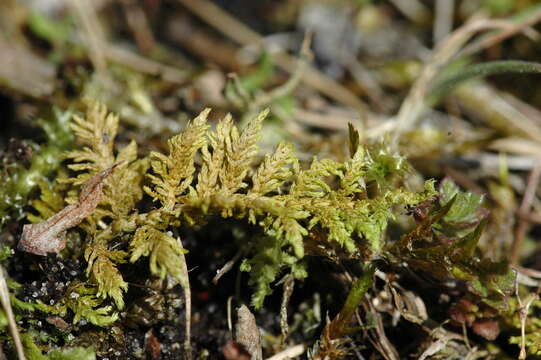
column 508, row 31
column 415, row 10
column 95, row 38
column 225, row 269
column 532, row 217
column 187, row 308
column 443, row 23
column 138, row 24
column 525, row 206
column 288, row 353
column 204, row 43
column 243, row 35
column 6, row 304
column 289, row 284
column 142, row 64
column 523, row 315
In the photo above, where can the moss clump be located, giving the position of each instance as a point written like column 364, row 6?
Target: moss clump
column 339, row 210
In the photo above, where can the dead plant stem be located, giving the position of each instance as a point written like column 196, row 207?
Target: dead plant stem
column 525, row 206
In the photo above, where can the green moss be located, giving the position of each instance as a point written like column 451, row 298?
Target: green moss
column 336, row 209
column 19, row 180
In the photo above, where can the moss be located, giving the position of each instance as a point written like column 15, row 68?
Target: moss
column 20, row 179
column 336, row 209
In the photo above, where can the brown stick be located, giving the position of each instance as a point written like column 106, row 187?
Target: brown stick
column 525, row 206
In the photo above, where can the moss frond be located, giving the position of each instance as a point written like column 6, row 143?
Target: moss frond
column 123, row 189
column 83, row 300
column 327, row 198
column 164, row 250
column 265, row 266
column 174, row 172
column 102, row 269
column 311, row 182
column 96, row 132
column 327, row 202
column 240, row 151
column 50, row 201
column 276, row 169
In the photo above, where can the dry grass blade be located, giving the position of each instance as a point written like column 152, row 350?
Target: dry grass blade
column 509, row 30
column 377, row 334
column 146, row 65
column 289, row 284
column 86, row 15
column 188, row 307
column 525, row 206
column 289, row 353
column 414, row 104
column 489, row 105
column 6, row 304
column 516, row 145
column 443, row 22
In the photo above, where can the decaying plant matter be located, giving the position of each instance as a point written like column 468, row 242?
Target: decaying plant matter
column 47, row 236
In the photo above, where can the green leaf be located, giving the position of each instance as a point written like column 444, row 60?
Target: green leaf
column 468, row 243
column 465, row 213
column 423, row 249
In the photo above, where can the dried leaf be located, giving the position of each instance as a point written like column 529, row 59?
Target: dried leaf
column 47, row 236
column 247, row 333
column 488, row 328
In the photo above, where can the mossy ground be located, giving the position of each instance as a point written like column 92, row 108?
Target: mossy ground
column 325, row 195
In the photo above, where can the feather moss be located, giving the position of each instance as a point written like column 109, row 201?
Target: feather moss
column 324, row 205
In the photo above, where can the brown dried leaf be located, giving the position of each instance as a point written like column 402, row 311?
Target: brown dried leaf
column 47, row 236
column 487, row 328
column 247, row 332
